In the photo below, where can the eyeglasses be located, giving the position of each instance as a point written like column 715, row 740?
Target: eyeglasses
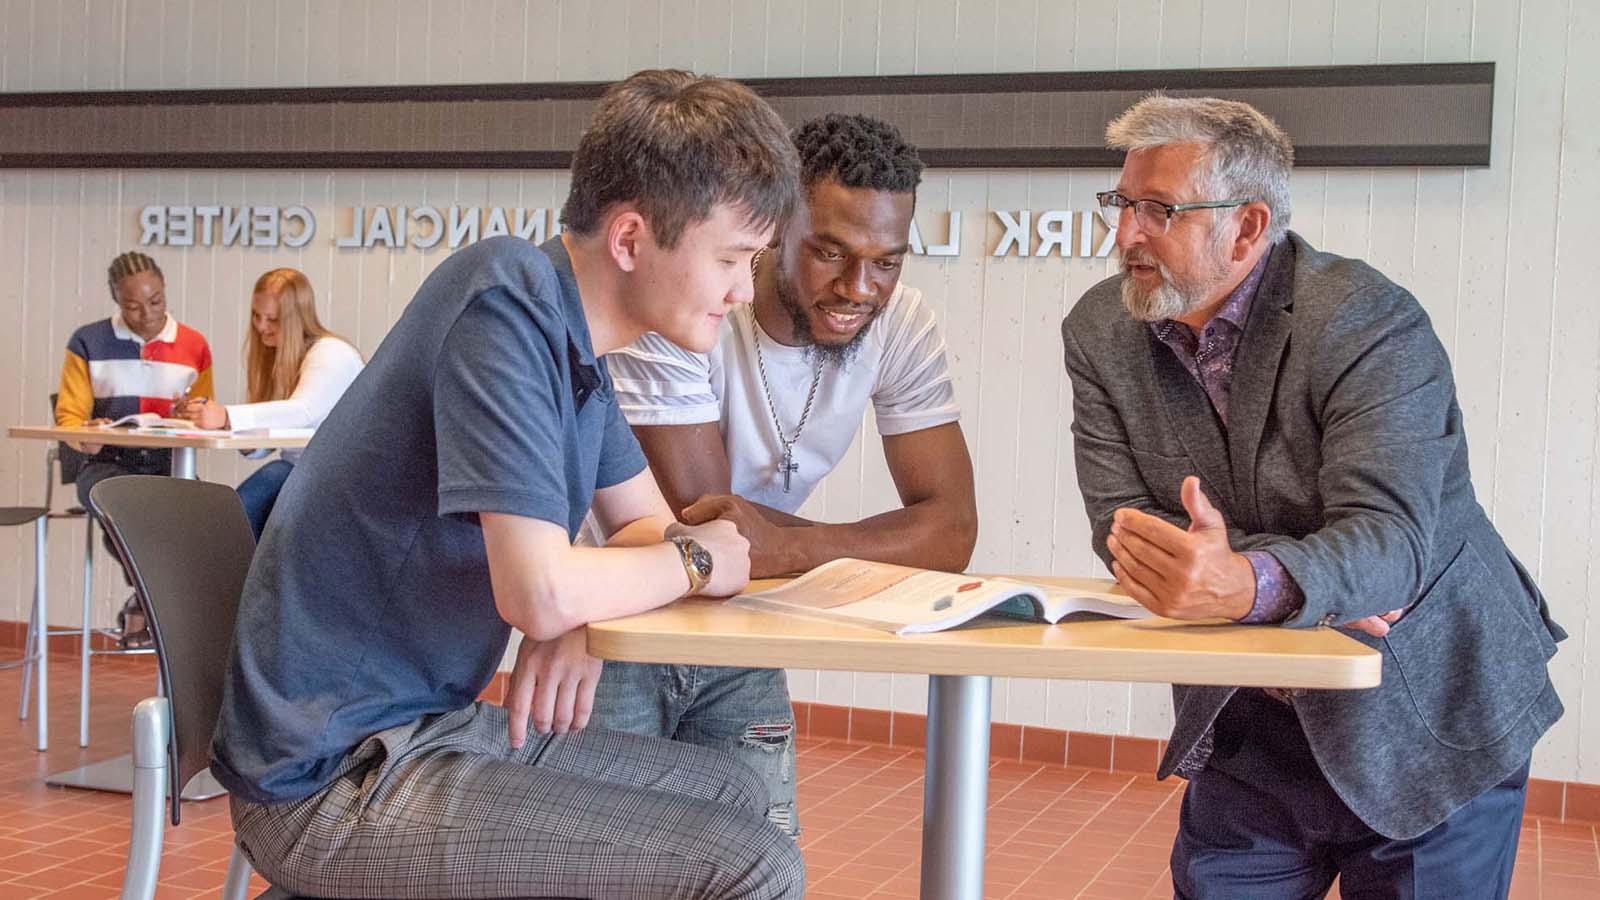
column 1153, row 216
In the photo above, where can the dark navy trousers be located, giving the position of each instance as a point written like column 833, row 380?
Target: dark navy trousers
column 1261, row 823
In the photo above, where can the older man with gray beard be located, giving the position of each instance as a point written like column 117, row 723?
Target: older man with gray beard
column 1268, row 433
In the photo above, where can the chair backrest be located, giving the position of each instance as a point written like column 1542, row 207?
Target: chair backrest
column 187, row 546
column 71, row 460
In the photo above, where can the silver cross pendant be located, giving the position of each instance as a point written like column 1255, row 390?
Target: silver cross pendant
column 788, row 467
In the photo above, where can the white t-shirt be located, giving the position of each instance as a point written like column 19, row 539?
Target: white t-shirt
column 900, row 367
column 325, row 372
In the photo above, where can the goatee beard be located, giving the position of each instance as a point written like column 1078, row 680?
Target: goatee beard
column 1152, row 304
column 1174, row 296
column 837, row 355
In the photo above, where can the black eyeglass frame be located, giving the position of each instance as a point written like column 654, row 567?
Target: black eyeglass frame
column 1106, row 201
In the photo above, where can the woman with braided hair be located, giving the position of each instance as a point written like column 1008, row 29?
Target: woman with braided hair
column 139, row 360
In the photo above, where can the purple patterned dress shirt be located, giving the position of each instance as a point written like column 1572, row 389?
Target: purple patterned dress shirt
column 1209, row 356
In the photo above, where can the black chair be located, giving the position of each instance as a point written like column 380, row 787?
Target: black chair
column 187, row 546
column 36, row 646
column 162, row 527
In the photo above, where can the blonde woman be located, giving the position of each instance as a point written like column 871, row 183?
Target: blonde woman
column 297, row 371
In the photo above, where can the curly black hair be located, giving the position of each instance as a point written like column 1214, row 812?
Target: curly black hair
column 858, row 152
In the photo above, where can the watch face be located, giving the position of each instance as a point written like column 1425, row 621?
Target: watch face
column 700, row 559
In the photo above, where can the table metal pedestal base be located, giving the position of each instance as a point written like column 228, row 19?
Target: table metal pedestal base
column 955, row 793
column 116, row 776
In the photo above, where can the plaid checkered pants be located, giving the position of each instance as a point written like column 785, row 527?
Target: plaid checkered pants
column 443, row 808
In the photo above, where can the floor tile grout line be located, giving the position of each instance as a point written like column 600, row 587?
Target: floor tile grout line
column 846, row 822
column 1079, row 830
column 992, row 801
column 860, row 749
column 1124, row 846
column 867, row 849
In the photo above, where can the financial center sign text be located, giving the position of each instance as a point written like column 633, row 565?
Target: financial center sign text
column 1054, row 232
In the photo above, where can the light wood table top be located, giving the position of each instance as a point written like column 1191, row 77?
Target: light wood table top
column 707, row 632
column 129, row 437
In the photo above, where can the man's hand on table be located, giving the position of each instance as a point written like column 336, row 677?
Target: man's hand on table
column 767, row 547
column 1193, row 574
column 553, row 683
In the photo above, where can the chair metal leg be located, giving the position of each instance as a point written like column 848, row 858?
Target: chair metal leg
column 88, row 630
column 41, row 628
column 237, row 885
column 26, row 662
column 152, row 728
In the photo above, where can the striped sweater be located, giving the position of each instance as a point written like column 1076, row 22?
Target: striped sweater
column 110, row 372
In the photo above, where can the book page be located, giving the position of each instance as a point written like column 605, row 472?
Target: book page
column 878, row 595
column 1093, row 595
column 146, row 420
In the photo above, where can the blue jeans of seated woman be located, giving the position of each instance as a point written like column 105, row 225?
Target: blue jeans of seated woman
column 259, row 492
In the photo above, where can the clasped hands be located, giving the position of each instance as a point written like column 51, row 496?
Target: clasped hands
column 769, row 548
column 1193, row 573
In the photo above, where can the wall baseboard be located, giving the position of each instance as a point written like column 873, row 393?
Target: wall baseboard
column 1564, row 801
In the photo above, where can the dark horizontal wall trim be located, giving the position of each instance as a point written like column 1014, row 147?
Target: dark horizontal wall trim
column 1132, row 80
column 988, row 83
column 946, row 158
column 1431, row 155
column 1411, row 115
column 290, row 159
column 410, row 93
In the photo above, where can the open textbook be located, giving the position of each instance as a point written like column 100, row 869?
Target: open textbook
column 147, row 420
column 905, row 600
column 155, row 424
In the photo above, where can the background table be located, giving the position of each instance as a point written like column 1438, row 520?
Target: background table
column 961, row 663
column 181, row 445
column 117, row 774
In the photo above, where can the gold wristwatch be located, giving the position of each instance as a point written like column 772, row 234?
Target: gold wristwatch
column 696, row 562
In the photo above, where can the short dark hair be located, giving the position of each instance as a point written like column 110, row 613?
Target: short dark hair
column 677, row 144
column 131, row 263
column 858, row 152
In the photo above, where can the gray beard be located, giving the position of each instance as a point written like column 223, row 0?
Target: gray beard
column 1173, row 297
column 1164, row 301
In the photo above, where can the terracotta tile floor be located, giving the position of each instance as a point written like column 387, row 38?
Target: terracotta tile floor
column 1053, row 832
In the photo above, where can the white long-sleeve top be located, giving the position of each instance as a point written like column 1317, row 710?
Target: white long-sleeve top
column 327, row 370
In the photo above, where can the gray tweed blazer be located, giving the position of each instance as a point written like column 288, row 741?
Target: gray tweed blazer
column 1345, row 458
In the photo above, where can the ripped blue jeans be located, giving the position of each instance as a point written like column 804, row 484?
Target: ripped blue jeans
column 745, row 712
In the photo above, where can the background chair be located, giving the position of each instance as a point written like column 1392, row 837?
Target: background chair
column 71, row 464
column 36, row 646
column 160, row 527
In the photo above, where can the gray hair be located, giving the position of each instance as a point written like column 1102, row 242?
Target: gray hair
column 1246, row 155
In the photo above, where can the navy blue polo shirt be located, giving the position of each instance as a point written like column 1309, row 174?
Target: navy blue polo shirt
column 368, row 603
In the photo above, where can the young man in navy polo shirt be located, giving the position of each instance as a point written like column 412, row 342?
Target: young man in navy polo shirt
column 434, row 513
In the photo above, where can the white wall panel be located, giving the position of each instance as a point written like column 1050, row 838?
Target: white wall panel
column 1570, row 536
column 1181, row 21
column 1311, row 32
column 1500, row 257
